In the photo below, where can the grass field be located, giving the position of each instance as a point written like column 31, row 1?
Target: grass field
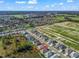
column 10, row 44
column 59, row 17
column 76, row 18
column 68, row 32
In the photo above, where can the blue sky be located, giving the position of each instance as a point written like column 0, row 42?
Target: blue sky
column 39, row 5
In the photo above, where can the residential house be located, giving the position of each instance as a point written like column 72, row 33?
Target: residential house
column 74, row 55
column 40, row 47
column 45, row 38
column 22, row 32
column 50, row 54
column 50, row 42
column 30, row 38
column 68, row 51
column 47, row 54
column 37, row 42
column 55, row 56
column 45, row 50
column 54, row 43
column 62, row 48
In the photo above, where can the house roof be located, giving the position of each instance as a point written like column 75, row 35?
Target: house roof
column 45, row 50
column 62, row 46
column 26, row 33
column 69, row 51
column 45, row 37
column 55, row 56
column 77, row 56
column 38, row 43
column 50, row 42
column 54, row 41
column 74, row 54
column 50, row 54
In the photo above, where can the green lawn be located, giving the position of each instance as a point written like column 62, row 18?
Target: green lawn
column 58, row 18
column 75, row 18
column 67, row 34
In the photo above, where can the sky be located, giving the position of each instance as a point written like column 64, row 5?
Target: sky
column 39, row 5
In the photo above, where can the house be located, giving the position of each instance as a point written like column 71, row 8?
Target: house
column 38, row 33
column 54, row 43
column 47, row 54
column 55, row 56
column 38, row 42
column 45, row 50
column 35, row 41
column 50, row 54
column 22, row 32
column 33, row 30
column 40, row 47
column 68, row 51
column 1, row 26
column 29, row 38
column 77, row 56
column 26, row 36
column 62, row 48
column 45, row 37
column 57, row 46
column 74, row 55
column 26, row 33
column 50, row 42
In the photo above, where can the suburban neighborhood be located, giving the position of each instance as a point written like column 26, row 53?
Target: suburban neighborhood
column 39, row 35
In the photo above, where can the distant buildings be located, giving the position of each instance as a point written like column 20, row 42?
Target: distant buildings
column 40, row 20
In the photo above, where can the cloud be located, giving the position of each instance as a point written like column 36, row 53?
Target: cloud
column 61, row 3
column 32, row 2
column 52, row 5
column 47, row 6
column 20, row 2
column 1, row 1
column 70, row 0
column 30, row 7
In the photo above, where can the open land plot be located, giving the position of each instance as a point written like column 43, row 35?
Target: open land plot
column 68, row 36
column 70, row 25
column 76, row 18
column 58, row 18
